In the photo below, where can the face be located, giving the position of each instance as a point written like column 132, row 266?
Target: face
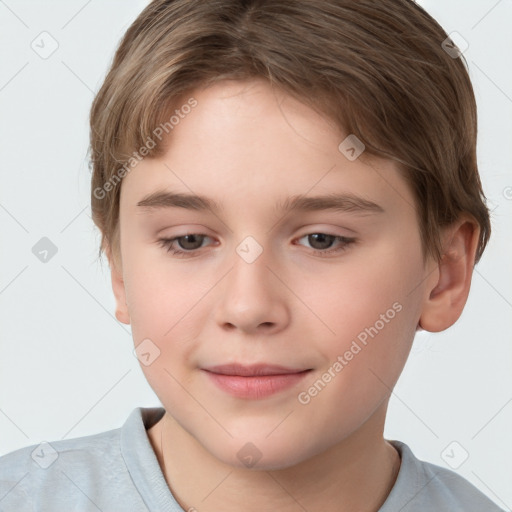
column 260, row 273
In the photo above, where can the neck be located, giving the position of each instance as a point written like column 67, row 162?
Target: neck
column 356, row 474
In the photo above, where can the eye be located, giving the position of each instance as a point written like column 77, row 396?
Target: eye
column 190, row 243
column 187, row 245
column 322, row 242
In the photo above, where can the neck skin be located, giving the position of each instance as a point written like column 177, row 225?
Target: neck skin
column 354, row 475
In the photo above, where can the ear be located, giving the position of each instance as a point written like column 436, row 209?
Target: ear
column 116, row 276
column 449, row 284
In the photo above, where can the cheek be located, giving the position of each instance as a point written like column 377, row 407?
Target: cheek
column 354, row 294
column 165, row 309
column 163, row 321
column 369, row 317
column 161, row 295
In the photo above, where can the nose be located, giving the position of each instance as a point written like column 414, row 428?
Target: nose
column 253, row 297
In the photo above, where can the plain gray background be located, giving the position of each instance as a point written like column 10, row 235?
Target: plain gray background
column 66, row 364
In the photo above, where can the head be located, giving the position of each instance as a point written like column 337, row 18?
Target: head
column 255, row 106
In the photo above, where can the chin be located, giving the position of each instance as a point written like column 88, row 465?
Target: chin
column 262, row 455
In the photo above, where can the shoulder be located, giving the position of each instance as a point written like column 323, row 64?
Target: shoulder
column 62, row 473
column 425, row 486
column 61, row 466
column 45, row 454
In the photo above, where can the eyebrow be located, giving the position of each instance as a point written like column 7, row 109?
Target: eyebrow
column 162, row 199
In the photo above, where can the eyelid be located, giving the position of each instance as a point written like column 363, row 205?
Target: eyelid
column 327, row 230
column 182, row 229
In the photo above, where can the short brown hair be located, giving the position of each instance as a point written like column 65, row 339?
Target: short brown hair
column 377, row 68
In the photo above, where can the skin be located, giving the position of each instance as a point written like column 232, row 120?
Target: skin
column 248, row 146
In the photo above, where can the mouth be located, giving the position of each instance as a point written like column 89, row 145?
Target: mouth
column 254, row 370
column 254, row 381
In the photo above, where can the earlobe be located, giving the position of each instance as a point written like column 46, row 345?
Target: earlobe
column 448, row 290
column 118, row 288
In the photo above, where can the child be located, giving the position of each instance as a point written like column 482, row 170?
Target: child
column 265, row 129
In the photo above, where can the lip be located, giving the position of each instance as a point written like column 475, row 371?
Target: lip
column 254, row 381
column 252, row 370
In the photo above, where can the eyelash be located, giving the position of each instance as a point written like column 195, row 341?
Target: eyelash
column 167, row 243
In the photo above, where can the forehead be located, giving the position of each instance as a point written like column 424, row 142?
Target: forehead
column 246, row 144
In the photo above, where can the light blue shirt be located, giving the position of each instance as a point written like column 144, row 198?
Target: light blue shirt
column 117, row 471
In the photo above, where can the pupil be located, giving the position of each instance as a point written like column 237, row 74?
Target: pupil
column 325, row 240
column 187, row 240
